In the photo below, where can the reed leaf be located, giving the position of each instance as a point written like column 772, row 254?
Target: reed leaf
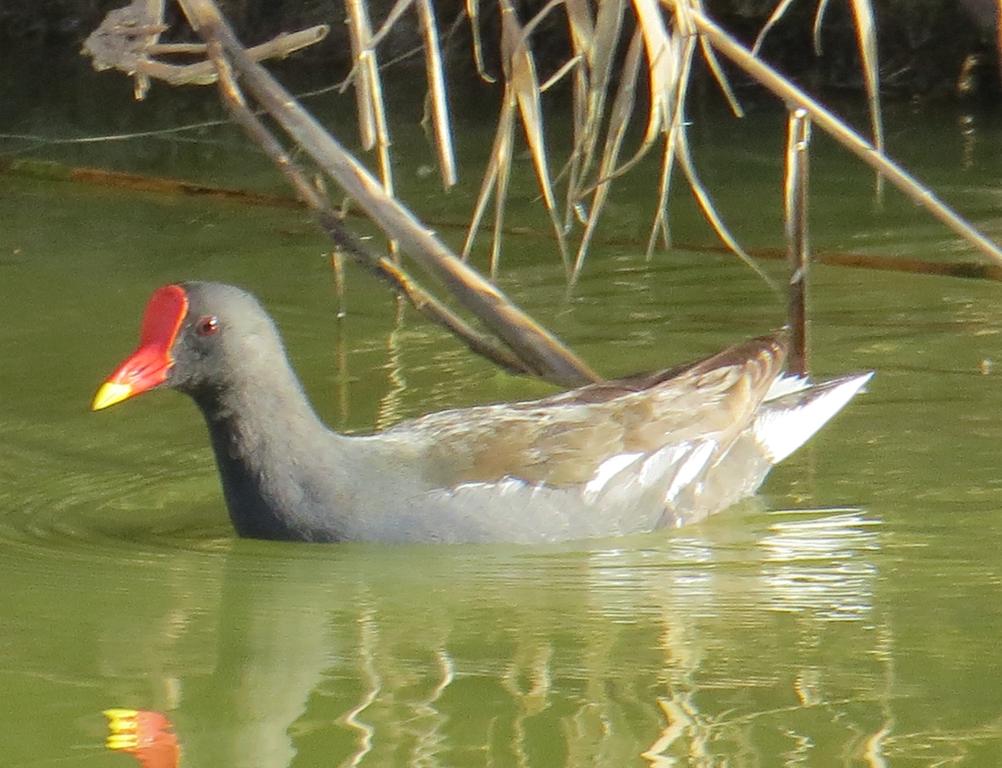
column 396, row 12
column 686, row 28
column 661, row 224
column 437, row 94
column 520, row 72
column 777, row 13
column 845, row 136
column 500, row 158
column 619, row 121
column 659, row 44
column 819, row 17
column 866, row 33
column 582, row 33
column 866, row 36
column 718, row 74
column 473, row 13
column 600, row 58
column 710, row 213
column 571, row 65
column 676, row 143
column 502, row 178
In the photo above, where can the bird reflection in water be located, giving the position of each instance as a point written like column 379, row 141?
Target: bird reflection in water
column 146, row 735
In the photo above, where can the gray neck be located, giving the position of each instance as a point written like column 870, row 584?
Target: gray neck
column 281, row 468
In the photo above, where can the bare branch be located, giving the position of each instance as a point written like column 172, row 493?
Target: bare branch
column 344, row 240
column 542, row 353
column 128, row 38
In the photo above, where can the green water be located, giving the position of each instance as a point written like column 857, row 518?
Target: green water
column 850, row 615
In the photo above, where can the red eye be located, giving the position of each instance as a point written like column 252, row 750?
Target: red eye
column 207, row 325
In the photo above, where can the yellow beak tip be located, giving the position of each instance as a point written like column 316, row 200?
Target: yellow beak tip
column 121, row 742
column 118, row 712
column 109, row 394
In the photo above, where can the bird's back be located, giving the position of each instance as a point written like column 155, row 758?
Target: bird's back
column 611, row 458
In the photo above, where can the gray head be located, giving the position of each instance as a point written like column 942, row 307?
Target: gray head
column 198, row 338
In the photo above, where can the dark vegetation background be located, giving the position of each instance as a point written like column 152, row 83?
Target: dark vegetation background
column 929, row 49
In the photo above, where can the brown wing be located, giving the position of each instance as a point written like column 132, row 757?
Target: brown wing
column 563, row 439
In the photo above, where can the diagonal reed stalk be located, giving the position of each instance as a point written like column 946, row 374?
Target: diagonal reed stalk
column 667, row 30
column 659, row 38
column 522, row 97
column 844, row 135
column 866, row 36
column 345, row 242
column 539, row 351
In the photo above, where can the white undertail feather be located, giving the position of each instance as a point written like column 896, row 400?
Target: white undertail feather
column 785, row 385
column 788, row 420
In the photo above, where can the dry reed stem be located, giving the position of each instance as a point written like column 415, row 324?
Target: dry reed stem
column 795, row 192
column 866, row 33
column 437, row 94
column 345, row 241
column 998, row 35
column 373, row 126
column 541, row 352
column 128, row 37
column 845, row 136
column 360, row 34
column 595, row 31
column 520, row 71
column 619, row 121
column 478, row 47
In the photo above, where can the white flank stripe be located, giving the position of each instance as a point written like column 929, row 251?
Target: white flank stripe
column 608, row 469
column 690, row 469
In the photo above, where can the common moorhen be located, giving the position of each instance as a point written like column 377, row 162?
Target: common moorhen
column 645, row 452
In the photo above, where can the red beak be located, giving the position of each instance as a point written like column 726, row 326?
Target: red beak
column 148, row 365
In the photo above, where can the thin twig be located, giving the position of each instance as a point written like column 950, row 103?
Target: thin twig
column 116, row 44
